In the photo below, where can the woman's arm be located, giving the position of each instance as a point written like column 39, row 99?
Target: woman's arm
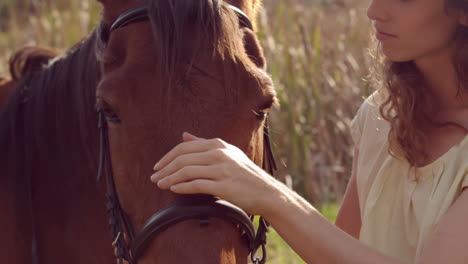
column 349, row 215
column 217, row 168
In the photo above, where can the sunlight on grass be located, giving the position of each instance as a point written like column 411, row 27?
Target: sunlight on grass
column 280, row 253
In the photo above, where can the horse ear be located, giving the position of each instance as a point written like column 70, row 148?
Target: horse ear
column 253, row 49
column 106, row 13
column 30, row 59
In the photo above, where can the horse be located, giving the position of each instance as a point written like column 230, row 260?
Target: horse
column 190, row 67
column 7, row 86
column 52, row 208
column 21, row 62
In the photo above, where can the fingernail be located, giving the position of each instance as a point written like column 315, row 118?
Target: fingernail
column 154, row 177
column 190, row 134
column 156, row 167
column 160, row 183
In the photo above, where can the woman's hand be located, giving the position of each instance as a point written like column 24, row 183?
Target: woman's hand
column 215, row 167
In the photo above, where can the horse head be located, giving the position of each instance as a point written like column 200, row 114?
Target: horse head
column 192, row 66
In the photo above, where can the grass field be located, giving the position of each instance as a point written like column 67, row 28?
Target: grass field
column 317, row 55
column 280, row 253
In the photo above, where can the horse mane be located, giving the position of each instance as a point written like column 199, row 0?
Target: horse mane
column 188, row 32
column 48, row 125
column 183, row 29
column 30, row 59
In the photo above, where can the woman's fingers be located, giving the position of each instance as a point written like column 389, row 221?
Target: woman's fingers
column 186, row 174
column 196, row 186
column 193, row 146
column 186, row 136
column 179, row 162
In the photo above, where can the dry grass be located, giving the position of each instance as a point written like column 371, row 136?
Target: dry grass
column 318, row 57
column 52, row 23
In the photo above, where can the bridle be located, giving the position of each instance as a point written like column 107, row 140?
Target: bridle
column 140, row 13
column 200, row 207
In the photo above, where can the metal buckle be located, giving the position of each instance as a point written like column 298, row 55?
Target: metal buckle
column 258, row 260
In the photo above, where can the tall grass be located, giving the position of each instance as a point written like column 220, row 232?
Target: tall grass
column 317, row 55
column 52, row 23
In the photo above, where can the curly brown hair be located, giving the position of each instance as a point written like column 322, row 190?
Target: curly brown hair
column 407, row 101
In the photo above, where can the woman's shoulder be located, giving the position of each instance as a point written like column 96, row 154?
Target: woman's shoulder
column 368, row 119
column 372, row 103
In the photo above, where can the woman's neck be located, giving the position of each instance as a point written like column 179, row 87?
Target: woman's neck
column 440, row 75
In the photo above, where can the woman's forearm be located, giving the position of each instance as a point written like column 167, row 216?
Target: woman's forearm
column 313, row 237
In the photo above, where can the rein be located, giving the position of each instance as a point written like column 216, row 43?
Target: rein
column 200, row 207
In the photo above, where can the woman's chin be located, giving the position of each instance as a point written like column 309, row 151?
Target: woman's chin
column 394, row 55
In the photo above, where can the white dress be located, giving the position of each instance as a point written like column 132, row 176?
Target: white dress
column 398, row 214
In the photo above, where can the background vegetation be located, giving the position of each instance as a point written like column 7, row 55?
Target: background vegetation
column 318, row 57
column 317, row 54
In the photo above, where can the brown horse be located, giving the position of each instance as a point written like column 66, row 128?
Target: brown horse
column 191, row 68
column 199, row 71
column 23, row 61
column 51, row 207
column 7, row 87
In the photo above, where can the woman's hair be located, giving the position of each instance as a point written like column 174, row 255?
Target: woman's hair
column 407, row 101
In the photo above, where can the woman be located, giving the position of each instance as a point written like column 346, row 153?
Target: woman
column 406, row 201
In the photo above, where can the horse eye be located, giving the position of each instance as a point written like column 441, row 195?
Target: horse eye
column 112, row 117
column 261, row 115
column 108, row 113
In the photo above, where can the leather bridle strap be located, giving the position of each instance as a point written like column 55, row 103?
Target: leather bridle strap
column 135, row 15
column 243, row 18
column 115, row 211
column 194, row 208
column 140, row 13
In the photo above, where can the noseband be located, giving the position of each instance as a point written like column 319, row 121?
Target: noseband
column 200, row 207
